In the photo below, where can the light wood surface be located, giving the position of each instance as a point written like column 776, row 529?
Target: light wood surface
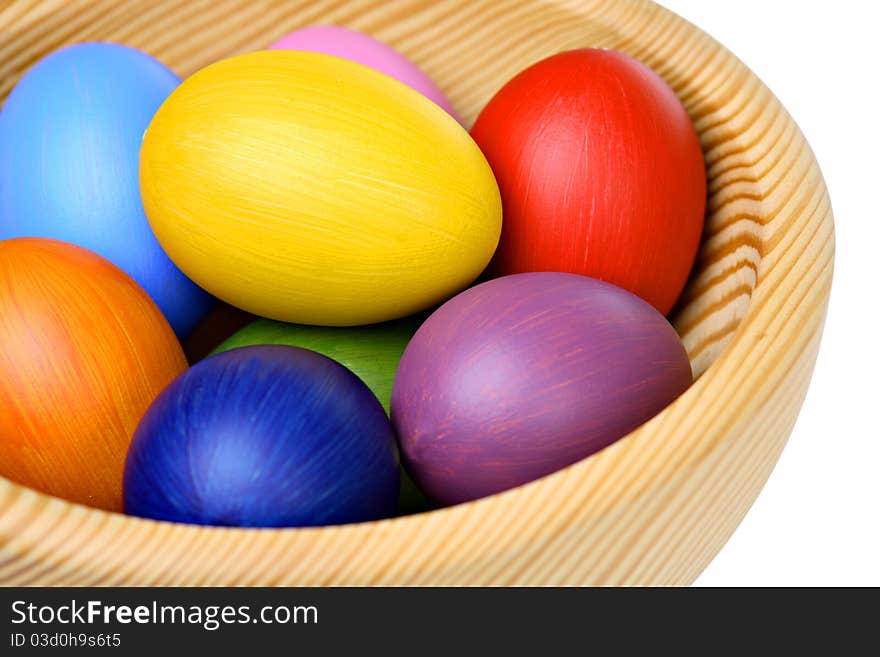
column 652, row 509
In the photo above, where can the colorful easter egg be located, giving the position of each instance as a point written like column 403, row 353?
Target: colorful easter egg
column 601, row 173
column 83, row 353
column 363, row 49
column 525, row 374
column 70, row 137
column 264, row 436
column 311, row 189
column 372, row 352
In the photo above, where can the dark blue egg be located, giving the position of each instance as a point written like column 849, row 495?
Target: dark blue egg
column 70, row 138
column 263, row 436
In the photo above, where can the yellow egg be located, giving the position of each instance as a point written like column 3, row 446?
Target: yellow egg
column 311, row 189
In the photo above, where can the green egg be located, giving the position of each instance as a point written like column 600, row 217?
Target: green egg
column 372, row 352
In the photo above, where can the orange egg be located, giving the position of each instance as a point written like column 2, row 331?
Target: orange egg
column 83, row 353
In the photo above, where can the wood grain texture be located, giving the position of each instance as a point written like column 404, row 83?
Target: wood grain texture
column 655, row 507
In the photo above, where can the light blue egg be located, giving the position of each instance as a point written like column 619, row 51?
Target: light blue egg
column 70, row 138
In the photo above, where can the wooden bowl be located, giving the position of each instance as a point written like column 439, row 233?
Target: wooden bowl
column 652, row 509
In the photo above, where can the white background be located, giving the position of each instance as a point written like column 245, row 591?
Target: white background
column 817, row 521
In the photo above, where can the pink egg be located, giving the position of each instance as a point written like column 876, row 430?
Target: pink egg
column 348, row 44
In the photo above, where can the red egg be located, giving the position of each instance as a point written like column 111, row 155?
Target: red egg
column 601, row 173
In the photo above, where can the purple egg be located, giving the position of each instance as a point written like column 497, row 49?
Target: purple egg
column 525, row 374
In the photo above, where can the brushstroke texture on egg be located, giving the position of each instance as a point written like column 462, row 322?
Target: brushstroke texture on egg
column 264, row 436
column 364, row 49
column 601, row 173
column 372, row 352
column 520, row 376
column 83, row 353
column 70, row 138
column 311, row 189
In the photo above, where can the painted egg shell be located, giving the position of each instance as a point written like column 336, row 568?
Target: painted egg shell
column 310, row 189
column 525, row 374
column 263, row 436
column 601, row 173
column 70, row 137
column 363, row 49
column 83, row 353
column 372, row 352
